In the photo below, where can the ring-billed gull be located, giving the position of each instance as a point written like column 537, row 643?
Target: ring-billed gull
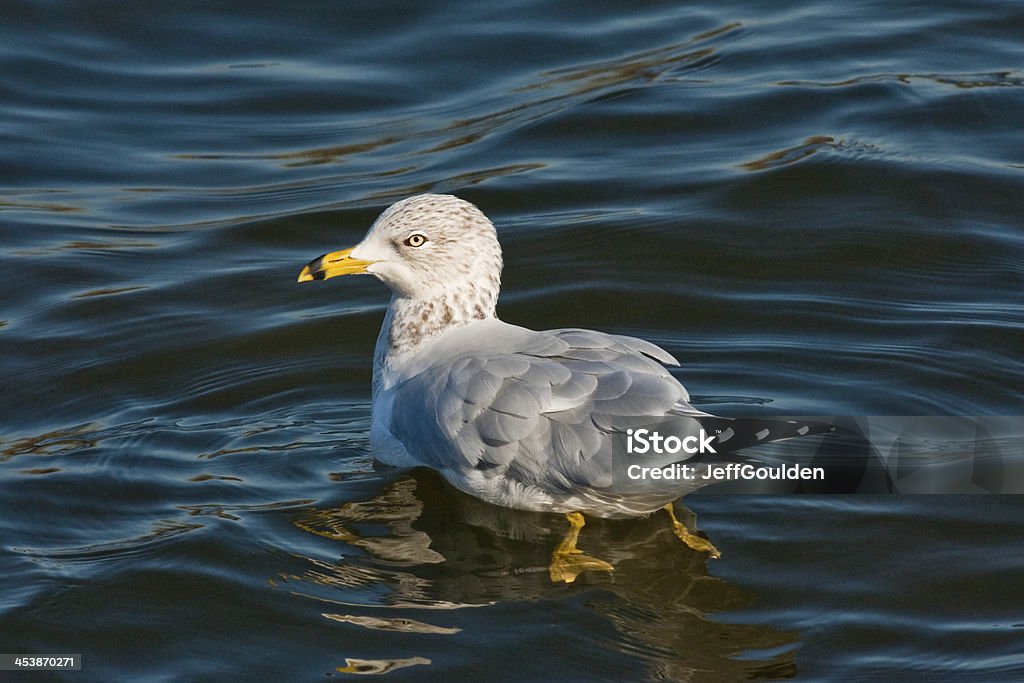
column 521, row 418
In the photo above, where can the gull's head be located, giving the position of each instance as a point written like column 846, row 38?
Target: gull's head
column 423, row 247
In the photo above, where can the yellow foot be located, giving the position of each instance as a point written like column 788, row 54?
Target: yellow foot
column 688, row 537
column 568, row 561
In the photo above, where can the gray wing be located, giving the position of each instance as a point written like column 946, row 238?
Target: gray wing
column 544, row 413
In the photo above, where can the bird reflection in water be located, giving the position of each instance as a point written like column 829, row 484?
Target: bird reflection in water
column 420, row 545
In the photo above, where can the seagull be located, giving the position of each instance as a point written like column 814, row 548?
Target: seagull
column 532, row 420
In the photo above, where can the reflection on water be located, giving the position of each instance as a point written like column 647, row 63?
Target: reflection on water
column 646, row 65
column 50, row 443
column 420, row 545
column 378, row 666
column 999, row 79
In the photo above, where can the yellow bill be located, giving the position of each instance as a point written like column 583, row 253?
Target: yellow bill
column 332, row 265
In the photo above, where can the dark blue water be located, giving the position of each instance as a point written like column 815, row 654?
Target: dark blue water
column 815, row 206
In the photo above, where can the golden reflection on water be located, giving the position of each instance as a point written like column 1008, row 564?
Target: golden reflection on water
column 792, row 154
column 421, row 545
column 109, row 291
column 40, row 470
column 39, row 206
column 397, row 507
column 379, row 666
column 54, row 442
column 394, row 624
column 646, row 65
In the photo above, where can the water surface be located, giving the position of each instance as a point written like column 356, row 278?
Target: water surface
column 814, row 206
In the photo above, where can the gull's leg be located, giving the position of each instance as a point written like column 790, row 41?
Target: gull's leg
column 568, row 561
column 688, row 537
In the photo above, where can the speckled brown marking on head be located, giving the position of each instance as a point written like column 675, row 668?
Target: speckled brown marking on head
column 426, row 311
column 451, row 281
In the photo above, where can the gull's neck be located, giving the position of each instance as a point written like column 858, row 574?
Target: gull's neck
column 411, row 323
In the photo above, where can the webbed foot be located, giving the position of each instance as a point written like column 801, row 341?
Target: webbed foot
column 568, row 561
column 691, row 539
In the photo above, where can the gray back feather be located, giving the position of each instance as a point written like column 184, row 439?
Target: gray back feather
column 542, row 413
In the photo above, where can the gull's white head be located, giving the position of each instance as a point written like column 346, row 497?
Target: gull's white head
column 433, row 250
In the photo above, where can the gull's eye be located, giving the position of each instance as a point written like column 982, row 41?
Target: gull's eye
column 415, row 240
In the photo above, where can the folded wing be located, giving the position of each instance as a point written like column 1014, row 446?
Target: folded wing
column 542, row 410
